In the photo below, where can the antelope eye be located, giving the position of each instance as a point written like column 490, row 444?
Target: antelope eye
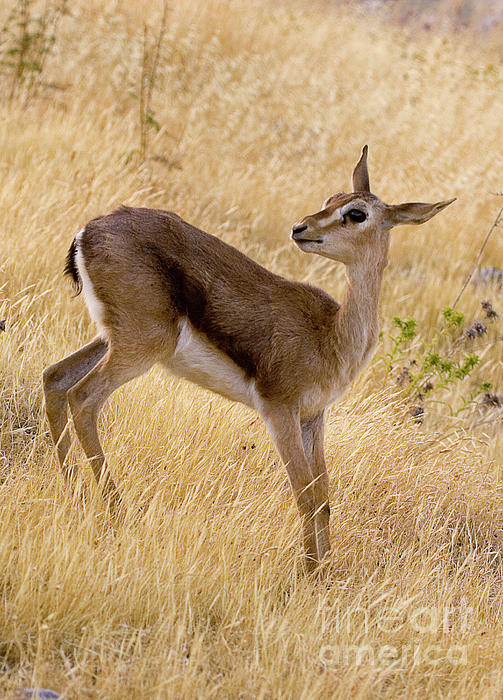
column 357, row 215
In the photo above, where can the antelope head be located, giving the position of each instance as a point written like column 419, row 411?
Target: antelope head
column 354, row 228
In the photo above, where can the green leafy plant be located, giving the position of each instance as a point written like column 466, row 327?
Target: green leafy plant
column 427, row 370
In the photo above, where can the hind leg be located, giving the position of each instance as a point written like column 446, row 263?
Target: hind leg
column 57, row 380
column 86, row 399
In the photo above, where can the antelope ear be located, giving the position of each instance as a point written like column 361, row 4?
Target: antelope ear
column 361, row 182
column 414, row 212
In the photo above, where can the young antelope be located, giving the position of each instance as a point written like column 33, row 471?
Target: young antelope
column 161, row 290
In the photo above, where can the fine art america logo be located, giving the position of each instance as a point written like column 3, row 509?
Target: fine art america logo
column 432, row 634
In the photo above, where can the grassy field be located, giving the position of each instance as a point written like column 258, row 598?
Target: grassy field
column 260, row 112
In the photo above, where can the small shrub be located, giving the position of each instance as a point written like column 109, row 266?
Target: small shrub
column 427, row 370
column 26, row 40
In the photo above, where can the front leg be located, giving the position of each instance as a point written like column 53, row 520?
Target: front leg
column 283, row 425
column 312, row 439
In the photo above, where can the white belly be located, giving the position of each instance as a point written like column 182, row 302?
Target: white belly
column 197, row 360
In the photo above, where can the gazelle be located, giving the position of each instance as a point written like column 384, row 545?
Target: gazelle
column 161, row 290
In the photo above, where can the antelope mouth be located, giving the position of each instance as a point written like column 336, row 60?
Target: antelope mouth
column 297, row 236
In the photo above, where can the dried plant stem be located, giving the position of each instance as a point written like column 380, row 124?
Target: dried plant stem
column 49, row 28
column 157, row 52
column 149, row 68
column 23, row 45
column 495, row 224
column 143, row 123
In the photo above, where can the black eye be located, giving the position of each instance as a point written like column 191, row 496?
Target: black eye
column 356, row 215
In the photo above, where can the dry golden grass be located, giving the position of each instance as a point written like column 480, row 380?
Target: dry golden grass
column 196, row 594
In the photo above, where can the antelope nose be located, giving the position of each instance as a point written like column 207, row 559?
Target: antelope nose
column 298, row 229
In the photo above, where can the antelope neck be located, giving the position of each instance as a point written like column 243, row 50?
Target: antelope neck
column 357, row 322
